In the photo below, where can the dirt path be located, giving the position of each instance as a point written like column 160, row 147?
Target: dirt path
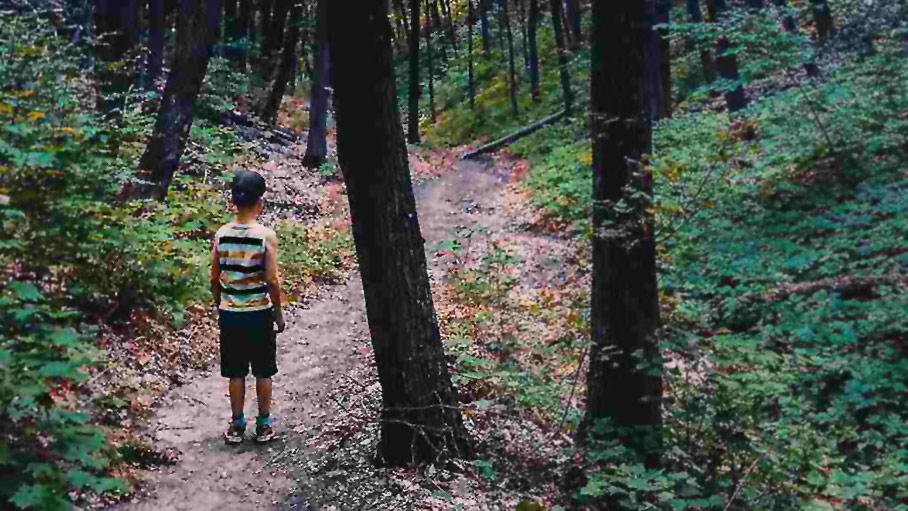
column 321, row 345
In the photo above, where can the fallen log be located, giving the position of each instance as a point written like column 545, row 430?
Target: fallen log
column 513, row 137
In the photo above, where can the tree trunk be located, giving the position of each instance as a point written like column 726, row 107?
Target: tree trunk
column 420, row 418
column 484, row 26
column 663, row 17
column 625, row 312
column 727, row 65
column 198, row 31
column 317, row 145
column 563, row 69
column 430, row 71
column 524, row 35
column 573, row 16
column 471, row 78
column 534, row 50
column 400, row 35
column 652, row 87
column 273, row 38
column 243, row 25
column 822, row 16
column 156, row 25
column 285, row 68
column 415, row 88
column 706, row 57
column 512, row 71
column 115, row 33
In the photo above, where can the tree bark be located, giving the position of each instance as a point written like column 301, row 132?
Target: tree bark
column 430, row 71
column 563, row 69
column 625, row 312
column 402, row 12
column 420, row 418
column 512, row 70
column 652, row 87
column 449, row 16
column 415, row 88
column 156, row 25
column 317, row 145
column 285, row 68
column 822, row 16
column 198, row 31
column 534, row 49
column 471, row 76
column 484, row 26
column 727, row 65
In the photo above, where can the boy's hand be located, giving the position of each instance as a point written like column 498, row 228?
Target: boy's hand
column 279, row 321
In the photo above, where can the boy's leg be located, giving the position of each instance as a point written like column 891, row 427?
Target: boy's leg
column 237, row 388
column 263, row 393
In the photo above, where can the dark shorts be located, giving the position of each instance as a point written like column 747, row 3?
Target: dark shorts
column 248, row 338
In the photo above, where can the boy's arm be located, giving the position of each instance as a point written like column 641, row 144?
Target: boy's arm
column 215, row 277
column 272, row 279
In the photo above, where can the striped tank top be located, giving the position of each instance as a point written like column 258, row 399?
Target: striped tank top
column 241, row 252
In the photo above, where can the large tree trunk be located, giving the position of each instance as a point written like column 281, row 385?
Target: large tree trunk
column 512, row 71
column 430, row 71
column 198, row 31
column 534, row 49
column 115, row 33
column 420, row 418
column 285, row 68
column 663, row 17
column 822, row 16
column 317, row 145
column 563, row 69
column 707, row 63
column 727, row 65
column 471, row 75
column 625, row 311
column 415, row 88
column 484, row 26
column 156, row 24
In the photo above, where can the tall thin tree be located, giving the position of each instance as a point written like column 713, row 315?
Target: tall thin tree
column 471, row 78
column 484, row 26
column 115, row 34
column 420, row 417
column 430, row 67
column 242, row 37
column 534, row 49
column 563, row 69
column 317, row 144
column 573, row 14
column 707, row 64
column 197, row 34
column 625, row 311
column 822, row 17
column 512, row 80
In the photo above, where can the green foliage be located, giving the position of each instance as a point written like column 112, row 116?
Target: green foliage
column 313, row 254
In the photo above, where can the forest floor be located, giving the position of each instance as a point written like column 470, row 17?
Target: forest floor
column 326, row 395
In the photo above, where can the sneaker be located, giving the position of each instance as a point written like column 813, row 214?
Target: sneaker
column 234, row 434
column 264, row 433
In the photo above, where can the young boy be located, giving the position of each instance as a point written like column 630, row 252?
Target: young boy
column 244, row 281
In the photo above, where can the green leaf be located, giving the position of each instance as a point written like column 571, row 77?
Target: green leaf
column 25, row 291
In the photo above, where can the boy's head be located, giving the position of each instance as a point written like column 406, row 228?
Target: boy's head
column 247, row 189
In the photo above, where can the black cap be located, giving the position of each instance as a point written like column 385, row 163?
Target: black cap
column 247, row 187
